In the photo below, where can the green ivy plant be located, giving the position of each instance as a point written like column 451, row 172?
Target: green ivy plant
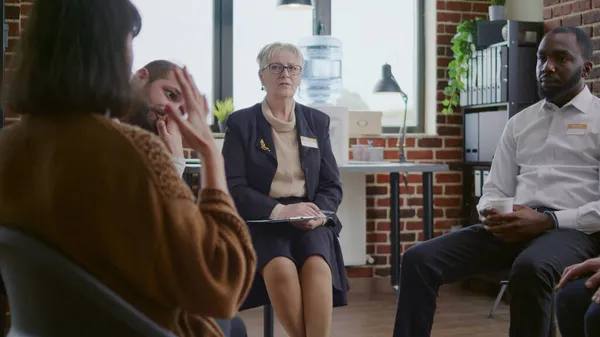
column 498, row 2
column 462, row 47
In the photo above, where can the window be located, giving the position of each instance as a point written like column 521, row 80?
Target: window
column 181, row 32
column 219, row 40
column 374, row 33
column 255, row 24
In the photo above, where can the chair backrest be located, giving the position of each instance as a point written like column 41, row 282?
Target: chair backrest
column 51, row 296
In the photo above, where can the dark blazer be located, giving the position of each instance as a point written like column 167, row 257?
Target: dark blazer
column 251, row 162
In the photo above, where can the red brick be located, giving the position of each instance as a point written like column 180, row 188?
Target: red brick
column 377, row 214
column 447, row 177
column 448, row 154
column 448, row 17
column 25, row 9
column 437, row 189
column 453, row 213
column 459, row 6
column 377, row 190
column 406, row 190
column 376, row 237
column 382, row 272
column 370, row 201
column 430, row 142
column 453, row 142
column 444, row 224
column 592, row 16
column 414, row 178
column 580, row 6
column 415, row 201
column 573, row 20
column 444, row 130
column 561, row 10
column 369, row 178
column 370, row 248
column 454, row 119
column 416, row 154
column 359, row 271
column 547, row 13
column 437, row 213
column 549, row 25
column 392, row 154
column 383, row 249
column 444, row 39
column 446, row 202
column 596, row 3
column 439, row 5
column 480, row 8
column 392, row 141
column 383, row 226
column 453, row 189
column 370, row 226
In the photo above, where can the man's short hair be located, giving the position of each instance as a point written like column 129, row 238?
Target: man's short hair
column 583, row 40
column 159, row 69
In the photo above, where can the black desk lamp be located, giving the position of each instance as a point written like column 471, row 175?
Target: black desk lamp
column 388, row 85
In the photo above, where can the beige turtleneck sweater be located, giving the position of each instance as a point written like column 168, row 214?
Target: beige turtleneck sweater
column 289, row 178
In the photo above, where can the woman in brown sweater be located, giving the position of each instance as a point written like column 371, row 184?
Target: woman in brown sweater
column 106, row 194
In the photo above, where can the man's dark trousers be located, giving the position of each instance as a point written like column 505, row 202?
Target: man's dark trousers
column 537, row 265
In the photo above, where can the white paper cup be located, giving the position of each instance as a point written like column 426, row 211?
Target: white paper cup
column 502, row 205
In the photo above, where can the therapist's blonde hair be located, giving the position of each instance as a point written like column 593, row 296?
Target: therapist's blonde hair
column 267, row 52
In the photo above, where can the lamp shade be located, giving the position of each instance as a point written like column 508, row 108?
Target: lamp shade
column 294, row 3
column 387, row 84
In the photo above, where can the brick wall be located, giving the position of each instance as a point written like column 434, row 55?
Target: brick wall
column 582, row 13
column 16, row 17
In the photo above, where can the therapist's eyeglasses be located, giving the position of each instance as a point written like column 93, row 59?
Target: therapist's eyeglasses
column 278, row 68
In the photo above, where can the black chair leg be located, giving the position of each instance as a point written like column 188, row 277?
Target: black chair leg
column 553, row 328
column 269, row 321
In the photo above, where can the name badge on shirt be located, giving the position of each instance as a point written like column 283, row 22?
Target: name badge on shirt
column 308, row 142
column 576, row 129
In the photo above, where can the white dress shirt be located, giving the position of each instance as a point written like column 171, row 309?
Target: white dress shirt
column 550, row 157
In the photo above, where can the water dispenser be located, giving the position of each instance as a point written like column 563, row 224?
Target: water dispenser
column 322, row 72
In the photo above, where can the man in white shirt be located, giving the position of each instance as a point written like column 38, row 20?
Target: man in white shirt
column 548, row 160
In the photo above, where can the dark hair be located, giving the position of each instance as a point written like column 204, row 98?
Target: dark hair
column 73, row 58
column 159, row 69
column 583, row 39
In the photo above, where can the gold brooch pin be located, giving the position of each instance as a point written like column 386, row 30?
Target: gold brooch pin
column 263, row 146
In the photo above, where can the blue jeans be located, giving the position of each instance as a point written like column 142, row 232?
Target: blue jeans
column 577, row 315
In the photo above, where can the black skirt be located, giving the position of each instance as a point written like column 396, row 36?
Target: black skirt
column 285, row 240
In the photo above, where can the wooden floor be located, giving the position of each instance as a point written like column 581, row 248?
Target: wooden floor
column 372, row 308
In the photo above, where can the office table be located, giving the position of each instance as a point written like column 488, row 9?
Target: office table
column 394, row 169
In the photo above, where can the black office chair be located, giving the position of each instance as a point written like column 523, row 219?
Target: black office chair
column 50, row 296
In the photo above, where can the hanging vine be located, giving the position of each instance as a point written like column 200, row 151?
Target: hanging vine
column 462, row 47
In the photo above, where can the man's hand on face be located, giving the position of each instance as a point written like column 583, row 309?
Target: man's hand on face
column 523, row 223
column 170, row 134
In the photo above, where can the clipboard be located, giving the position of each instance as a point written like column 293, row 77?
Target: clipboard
column 294, row 219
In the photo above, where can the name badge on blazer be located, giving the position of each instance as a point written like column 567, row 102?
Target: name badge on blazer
column 576, row 129
column 308, row 142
